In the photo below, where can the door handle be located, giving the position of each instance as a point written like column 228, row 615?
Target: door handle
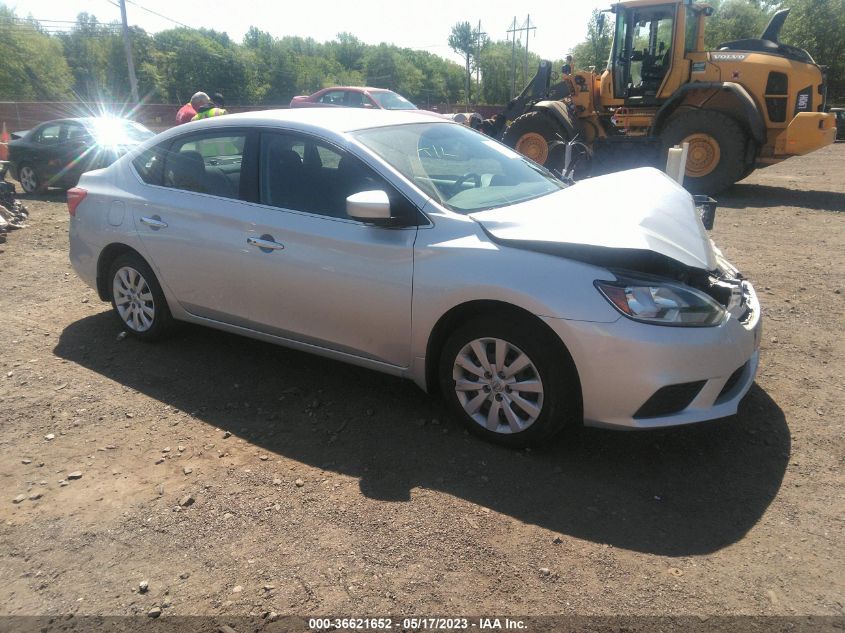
column 154, row 222
column 266, row 243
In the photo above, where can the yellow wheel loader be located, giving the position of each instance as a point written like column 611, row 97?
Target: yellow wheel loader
column 748, row 104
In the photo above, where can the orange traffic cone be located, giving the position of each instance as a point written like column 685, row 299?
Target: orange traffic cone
column 4, row 144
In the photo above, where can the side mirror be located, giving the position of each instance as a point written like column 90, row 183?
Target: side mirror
column 369, row 206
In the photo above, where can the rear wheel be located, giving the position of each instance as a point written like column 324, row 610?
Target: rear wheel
column 508, row 383
column 29, row 179
column 137, row 298
column 716, row 157
column 531, row 135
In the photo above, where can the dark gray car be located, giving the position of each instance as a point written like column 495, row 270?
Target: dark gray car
column 57, row 153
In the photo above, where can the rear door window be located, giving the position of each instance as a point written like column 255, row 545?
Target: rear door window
column 76, row 132
column 150, row 165
column 333, row 97
column 204, row 163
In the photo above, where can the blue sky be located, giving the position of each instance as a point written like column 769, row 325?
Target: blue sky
column 419, row 24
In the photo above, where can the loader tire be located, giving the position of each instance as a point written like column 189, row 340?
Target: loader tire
column 716, row 158
column 531, row 135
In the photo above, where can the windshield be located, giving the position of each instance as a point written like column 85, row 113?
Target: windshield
column 113, row 131
column 464, row 170
column 392, row 101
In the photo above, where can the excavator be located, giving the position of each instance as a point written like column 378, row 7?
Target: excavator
column 749, row 104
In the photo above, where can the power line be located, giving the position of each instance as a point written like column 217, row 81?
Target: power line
column 23, row 29
column 157, row 14
column 33, row 21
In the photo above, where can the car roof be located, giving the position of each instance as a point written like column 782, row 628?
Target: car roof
column 80, row 119
column 356, row 88
column 337, row 120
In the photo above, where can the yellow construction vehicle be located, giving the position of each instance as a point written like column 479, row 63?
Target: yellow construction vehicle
column 748, row 104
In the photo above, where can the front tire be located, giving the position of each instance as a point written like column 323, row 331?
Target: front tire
column 532, row 135
column 137, row 298
column 716, row 158
column 29, row 179
column 509, row 383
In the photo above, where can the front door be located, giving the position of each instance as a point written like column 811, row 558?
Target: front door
column 317, row 275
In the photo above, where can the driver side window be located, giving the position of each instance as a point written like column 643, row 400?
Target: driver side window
column 301, row 173
column 50, row 135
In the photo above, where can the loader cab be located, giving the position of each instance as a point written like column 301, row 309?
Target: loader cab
column 642, row 53
column 652, row 42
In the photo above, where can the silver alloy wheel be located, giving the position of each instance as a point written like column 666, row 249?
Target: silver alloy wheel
column 133, row 299
column 498, row 385
column 29, row 179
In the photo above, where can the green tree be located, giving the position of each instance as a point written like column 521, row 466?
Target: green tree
column 462, row 41
column 735, row 20
column 271, row 66
column 348, row 50
column 595, row 49
column 193, row 60
column 819, row 27
column 33, row 66
column 497, row 64
column 85, row 52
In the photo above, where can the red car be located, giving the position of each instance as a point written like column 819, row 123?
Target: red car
column 353, row 97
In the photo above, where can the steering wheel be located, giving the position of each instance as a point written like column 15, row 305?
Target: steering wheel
column 468, row 176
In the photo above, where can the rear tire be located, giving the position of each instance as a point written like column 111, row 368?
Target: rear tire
column 716, row 158
column 137, row 299
column 509, row 382
column 531, row 135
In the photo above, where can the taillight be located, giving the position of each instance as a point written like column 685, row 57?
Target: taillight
column 74, row 197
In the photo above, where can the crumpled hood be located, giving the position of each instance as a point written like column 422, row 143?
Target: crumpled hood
column 636, row 210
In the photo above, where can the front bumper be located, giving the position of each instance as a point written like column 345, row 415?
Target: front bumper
column 623, row 364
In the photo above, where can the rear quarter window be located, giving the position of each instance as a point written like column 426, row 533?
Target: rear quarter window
column 149, row 165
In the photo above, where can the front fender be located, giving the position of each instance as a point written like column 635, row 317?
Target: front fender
column 558, row 111
column 753, row 119
column 452, row 267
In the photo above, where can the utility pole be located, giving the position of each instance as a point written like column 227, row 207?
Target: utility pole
column 127, row 43
column 527, row 28
column 513, row 58
column 478, row 36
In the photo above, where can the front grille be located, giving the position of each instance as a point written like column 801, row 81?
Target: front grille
column 670, row 399
column 731, row 383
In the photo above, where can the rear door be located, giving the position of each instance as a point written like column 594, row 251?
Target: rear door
column 44, row 153
column 76, row 152
column 191, row 219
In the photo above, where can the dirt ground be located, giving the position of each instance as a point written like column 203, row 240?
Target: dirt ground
column 342, row 491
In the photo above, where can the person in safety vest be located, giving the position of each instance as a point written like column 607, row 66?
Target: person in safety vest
column 188, row 111
column 207, row 109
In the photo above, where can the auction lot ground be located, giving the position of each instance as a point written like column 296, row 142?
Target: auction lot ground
column 342, row 491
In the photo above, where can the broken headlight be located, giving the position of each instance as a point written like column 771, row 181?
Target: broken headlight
column 661, row 302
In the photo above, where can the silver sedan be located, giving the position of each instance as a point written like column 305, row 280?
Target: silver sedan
column 421, row 248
